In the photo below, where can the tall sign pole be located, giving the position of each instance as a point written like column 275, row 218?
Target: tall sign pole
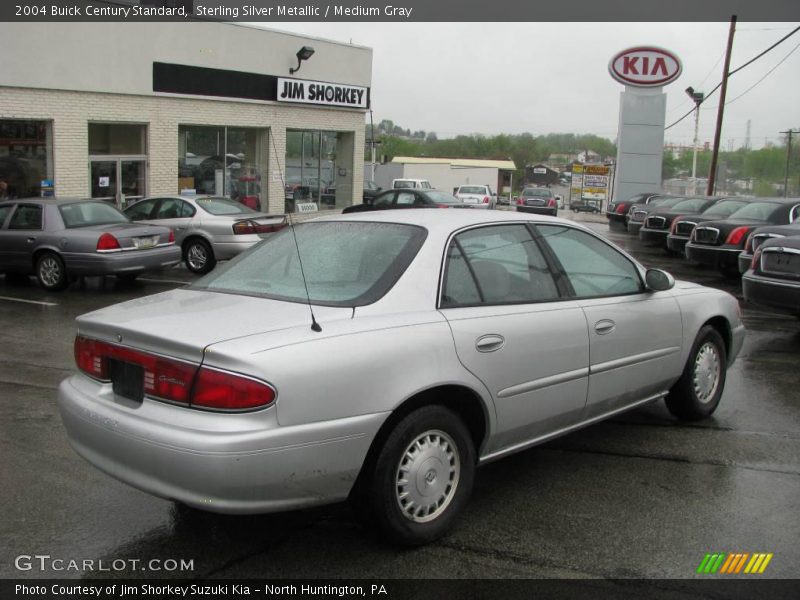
column 788, row 156
column 721, row 109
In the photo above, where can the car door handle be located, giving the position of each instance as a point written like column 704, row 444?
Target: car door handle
column 489, row 342
column 31, row 240
column 604, row 326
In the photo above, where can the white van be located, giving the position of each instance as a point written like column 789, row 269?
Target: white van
column 412, row 183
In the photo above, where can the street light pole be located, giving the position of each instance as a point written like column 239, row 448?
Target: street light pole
column 697, row 98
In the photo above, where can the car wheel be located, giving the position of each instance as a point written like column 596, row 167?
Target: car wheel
column 422, row 476
column 50, row 272
column 199, row 256
column 697, row 393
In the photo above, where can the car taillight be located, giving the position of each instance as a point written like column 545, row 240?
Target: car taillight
column 249, row 227
column 171, row 239
column 107, row 243
column 621, row 208
column 551, row 202
column 229, row 391
column 756, row 259
column 520, row 201
column 486, row 199
column 442, row 206
column 748, row 245
column 674, row 224
column 175, row 380
column 736, row 236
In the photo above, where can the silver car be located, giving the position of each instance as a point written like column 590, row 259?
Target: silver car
column 411, row 347
column 207, row 228
column 59, row 239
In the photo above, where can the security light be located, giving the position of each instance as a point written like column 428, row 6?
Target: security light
column 303, row 54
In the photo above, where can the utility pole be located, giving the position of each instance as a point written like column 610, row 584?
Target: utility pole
column 720, row 111
column 788, row 156
column 372, row 146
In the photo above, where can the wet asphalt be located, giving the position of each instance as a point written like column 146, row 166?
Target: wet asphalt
column 640, row 496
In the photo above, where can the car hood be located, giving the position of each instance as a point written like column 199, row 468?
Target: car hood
column 182, row 323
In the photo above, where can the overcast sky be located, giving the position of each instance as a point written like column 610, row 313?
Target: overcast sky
column 490, row 78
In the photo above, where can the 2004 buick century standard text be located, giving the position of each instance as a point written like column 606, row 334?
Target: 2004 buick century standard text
column 440, row 340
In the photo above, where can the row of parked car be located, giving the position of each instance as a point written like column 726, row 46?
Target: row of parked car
column 756, row 238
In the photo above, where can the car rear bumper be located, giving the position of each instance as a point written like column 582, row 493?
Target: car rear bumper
column 220, row 462
column 771, row 292
column 653, row 236
column 225, row 249
column 538, row 210
column 121, row 263
column 714, row 256
column 617, row 218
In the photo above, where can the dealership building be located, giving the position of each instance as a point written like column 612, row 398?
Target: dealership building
column 120, row 111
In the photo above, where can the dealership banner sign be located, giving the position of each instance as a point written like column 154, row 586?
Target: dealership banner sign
column 320, row 92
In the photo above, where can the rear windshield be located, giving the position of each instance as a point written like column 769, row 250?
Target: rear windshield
column 345, row 263
column 759, row 211
column 536, row 192
column 691, row 205
column 443, row 198
column 471, row 189
column 85, row 214
column 403, row 184
column 724, row 208
column 223, row 206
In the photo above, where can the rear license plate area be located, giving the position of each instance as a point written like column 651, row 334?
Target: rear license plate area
column 127, row 379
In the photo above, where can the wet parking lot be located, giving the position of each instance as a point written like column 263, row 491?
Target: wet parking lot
column 638, row 496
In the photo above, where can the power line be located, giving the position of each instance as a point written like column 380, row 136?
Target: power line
column 768, row 73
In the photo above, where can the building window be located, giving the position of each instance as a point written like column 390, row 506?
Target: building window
column 26, row 158
column 223, row 161
column 314, row 170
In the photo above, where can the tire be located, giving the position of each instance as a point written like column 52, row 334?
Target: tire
column 433, row 446
column 697, row 393
column 50, row 272
column 199, row 256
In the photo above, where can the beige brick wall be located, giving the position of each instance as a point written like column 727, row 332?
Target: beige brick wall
column 70, row 113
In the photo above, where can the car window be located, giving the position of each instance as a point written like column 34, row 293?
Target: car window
column 405, row 198
column 592, row 267
column 536, row 193
column 343, row 263
column 691, row 205
column 27, row 216
column 84, row 214
column 223, row 206
column 794, row 216
column 404, row 184
column 174, row 208
column 425, row 185
column 384, row 200
column 141, row 210
column 442, row 197
column 4, row 212
column 760, row 211
column 724, row 208
column 471, row 189
column 497, row 264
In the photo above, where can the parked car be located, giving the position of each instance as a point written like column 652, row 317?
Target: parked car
column 658, row 222
column 585, row 205
column 761, row 235
column 412, row 346
column 719, row 243
column 617, row 212
column 773, row 279
column 682, row 227
column 638, row 212
column 207, row 228
column 409, row 198
column 479, row 196
column 59, row 239
column 537, row 200
column 371, row 190
column 423, row 184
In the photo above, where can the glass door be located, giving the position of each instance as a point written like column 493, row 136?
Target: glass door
column 132, row 181
column 103, row 180
column 119, row 181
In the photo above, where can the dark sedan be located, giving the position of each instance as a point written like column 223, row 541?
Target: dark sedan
column 408, row 198
column 540, row 201
column 60, row 239
column 761, row 235
column 774, row 279
column 617, row 212
column 371, row 190
column 719, row 243
column 683, row 226
column 639, row 212
column 657, row 224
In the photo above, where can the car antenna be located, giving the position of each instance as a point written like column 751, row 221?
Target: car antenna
column 314, row 325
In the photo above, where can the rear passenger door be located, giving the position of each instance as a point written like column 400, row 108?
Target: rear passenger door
column 516, row 331
column 22, row 235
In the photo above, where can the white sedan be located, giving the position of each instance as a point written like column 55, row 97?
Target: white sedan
column 478, row 196
column 383, row 356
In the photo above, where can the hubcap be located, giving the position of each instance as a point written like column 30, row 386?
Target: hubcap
column 196, row 256
column 49, row 271
column 427, row 476
column 706, row 372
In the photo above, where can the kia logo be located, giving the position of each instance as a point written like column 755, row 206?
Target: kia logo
column 645, row 66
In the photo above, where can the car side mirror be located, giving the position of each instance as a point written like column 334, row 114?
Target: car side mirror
column 658, row 280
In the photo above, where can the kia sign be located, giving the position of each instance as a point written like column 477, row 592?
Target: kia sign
column 645, row 66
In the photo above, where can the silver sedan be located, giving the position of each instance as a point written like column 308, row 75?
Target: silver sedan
column 58, row 239
column 382, row 357
column 207, row 228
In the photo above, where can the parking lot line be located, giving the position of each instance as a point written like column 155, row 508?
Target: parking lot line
column 10, row 299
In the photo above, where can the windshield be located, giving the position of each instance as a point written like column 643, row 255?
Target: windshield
column 759, row 211
column 471, row 189
column 536, row 192
column 85, row 214
column 724, row 208
column 345, row 263
column 223, row 206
